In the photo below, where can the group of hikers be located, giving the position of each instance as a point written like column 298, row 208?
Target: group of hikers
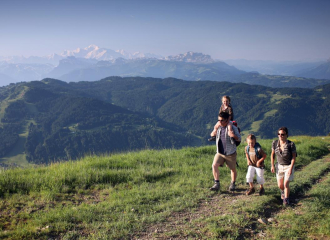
column 226, row 135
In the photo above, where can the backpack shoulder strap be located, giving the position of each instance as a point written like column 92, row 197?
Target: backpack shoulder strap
column 257, row 147
column 290, row 147
column 247, row 151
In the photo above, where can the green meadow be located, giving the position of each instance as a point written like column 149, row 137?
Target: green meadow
column 122, row 196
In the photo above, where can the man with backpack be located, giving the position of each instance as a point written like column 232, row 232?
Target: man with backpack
column 226, row 151
column 285, row 151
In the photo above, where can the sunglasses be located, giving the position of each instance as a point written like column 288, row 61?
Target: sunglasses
column 281, row 134
column 222, row 120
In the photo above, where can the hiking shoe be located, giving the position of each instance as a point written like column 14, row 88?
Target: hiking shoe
column 232, row 186
column 250, row 191
column 286, row 202
column 282, row 195
column 212, row 139
column 261, row 191
column 215, row 187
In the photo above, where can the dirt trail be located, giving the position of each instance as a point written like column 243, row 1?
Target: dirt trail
column 182, row 222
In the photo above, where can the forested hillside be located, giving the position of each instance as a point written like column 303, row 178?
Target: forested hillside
column 52, row 120
column 194, row 105
column 63, row 124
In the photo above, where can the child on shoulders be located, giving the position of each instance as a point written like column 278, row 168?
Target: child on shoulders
column 225, row 107
column 255, row 157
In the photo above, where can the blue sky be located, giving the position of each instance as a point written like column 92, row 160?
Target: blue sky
column 225, row 29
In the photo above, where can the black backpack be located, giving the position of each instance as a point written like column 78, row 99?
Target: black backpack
column 239, row 130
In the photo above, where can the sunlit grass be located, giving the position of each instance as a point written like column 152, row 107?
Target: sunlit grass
column 270, row 113
column 256, row 125
column 277, row 98
column 115, row 196
column 311, row 218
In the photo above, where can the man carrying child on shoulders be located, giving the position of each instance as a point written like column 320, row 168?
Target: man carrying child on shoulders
column 226, row 151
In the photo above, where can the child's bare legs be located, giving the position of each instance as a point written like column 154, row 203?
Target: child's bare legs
column 261, row 190
column 230, row 129
column 230, row 126
column 214, row 132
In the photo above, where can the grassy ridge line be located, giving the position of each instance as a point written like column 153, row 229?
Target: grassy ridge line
column 136, row 167
column 114, row 196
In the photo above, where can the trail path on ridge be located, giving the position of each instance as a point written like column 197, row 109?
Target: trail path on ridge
column 183, row 222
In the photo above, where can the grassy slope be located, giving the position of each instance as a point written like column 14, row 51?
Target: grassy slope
column 16, row 155
column 117, row 196
column 310, row 218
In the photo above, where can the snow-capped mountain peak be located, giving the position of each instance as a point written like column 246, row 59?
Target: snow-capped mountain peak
column 92, row 46
column 92, row 52
column 191, row 57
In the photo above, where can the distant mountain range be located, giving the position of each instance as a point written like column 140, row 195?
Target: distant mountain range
column 184, row 67
column 316, row 69
column 91, row 52
column 6, row 80
column 321, row 72
column 187, row 70
column 23, row 71
column 105, row 54
column 191, row 57
column 93, row 63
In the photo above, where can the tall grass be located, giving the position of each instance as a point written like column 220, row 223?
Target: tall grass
column 114, row 196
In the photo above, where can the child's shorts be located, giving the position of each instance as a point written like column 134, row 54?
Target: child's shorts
column 255, row 170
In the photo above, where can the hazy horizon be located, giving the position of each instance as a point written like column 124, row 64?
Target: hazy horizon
column 296, row 30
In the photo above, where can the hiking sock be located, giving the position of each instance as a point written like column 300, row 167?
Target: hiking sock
column 286, row 201
column 282, row 194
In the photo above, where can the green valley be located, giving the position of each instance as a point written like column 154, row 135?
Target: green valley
column 50, row 120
